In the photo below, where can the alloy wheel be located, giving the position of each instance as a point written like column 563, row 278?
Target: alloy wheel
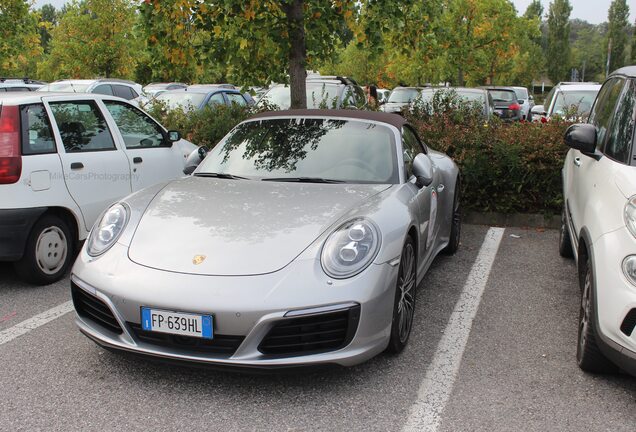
column 406, row 286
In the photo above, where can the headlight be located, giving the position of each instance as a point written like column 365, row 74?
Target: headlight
column 107, row 230
column 630, row 215
column 629, row 268
column 350, row 248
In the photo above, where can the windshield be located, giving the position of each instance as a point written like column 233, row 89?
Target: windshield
column 341, row 150
column 574, row 102
column 522, row 93
column 403, row 95
column 182, row 100
column 67, row 87
column 319, row 95
column 503, row 95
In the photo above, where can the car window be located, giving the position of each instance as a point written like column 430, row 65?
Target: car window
column 604, row 108
column 37, row 135
column 137, row 129
column 411, row 148
column 236, row 98
column 17, row 89
column 82, row 126
column 123, row 92
column 216, row 99
column 104, row 89
column 619, row 137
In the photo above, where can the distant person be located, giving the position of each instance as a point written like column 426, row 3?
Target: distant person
column 372, row 96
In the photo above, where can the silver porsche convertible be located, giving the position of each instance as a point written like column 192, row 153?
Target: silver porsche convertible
column 300, row 239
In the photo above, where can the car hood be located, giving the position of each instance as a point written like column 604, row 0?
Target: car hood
column 211, row 226
column 625, row 179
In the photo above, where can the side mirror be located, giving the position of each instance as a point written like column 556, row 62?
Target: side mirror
column 174, row 136
column 581, row 137
column 423, row 170
column 538, row 110
column 194, row 159
column 531, row 97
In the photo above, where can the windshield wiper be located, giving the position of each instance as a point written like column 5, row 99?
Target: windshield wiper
column 220, row 175
column 302, row 180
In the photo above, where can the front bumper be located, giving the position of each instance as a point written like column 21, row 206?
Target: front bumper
column 615, row 297
column 245, row 306
column 15, row 226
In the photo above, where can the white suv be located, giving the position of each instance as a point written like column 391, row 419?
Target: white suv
column 599, row 225
column 63, row 159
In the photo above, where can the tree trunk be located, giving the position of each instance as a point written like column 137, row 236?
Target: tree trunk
column 297, row 54
column 460, row 77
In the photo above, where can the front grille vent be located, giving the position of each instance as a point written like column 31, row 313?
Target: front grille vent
column 312, row 334
column 90, row 307
column 221, row 344
column 627, row 327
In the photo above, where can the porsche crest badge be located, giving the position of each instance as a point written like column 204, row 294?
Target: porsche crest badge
column 198, row 259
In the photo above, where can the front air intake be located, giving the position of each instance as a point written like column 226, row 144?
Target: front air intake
column 627, row 327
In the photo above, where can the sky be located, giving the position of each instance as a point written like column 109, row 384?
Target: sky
column 593, row 11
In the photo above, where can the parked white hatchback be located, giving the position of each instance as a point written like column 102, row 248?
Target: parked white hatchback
column 599, row 225
column 63, row 159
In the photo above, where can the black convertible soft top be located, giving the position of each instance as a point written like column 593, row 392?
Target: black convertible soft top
column 382, row 117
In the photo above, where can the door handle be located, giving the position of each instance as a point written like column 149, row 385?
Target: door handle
column 577, row 161
column 77, row 165
column 137, row 160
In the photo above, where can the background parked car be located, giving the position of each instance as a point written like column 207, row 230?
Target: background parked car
column 114, row 87
column 152, row 90
column 467, row 94
column 526, row 100
column 400, row 98
column 63, row 159
column 507, row 106
column 199, row 96
column 19, row 84
column 383, row 95
column 572, row 100
column 599, row 225
column 322, row 92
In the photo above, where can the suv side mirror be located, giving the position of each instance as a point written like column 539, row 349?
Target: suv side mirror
column 581, row 137
column 422, row 170
column 174, row 136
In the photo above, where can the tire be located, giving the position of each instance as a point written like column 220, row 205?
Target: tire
column 565, row 244
column 456, row 223
column 48, row 252
column 588, row 355
column 404, row 301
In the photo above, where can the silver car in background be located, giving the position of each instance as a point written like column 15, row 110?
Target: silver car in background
column 299, row 240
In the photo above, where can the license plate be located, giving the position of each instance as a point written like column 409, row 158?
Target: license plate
column 177, row 323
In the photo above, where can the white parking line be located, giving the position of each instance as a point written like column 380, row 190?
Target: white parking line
column 436, row 388
column 26, row 326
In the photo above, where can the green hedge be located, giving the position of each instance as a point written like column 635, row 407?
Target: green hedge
column 507, row 168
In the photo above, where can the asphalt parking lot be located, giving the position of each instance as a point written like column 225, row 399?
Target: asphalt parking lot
column 515, row 370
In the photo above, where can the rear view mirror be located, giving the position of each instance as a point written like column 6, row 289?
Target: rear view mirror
column 581, row 137
column 423, row 170
column 174, row 136
column 194, row 159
